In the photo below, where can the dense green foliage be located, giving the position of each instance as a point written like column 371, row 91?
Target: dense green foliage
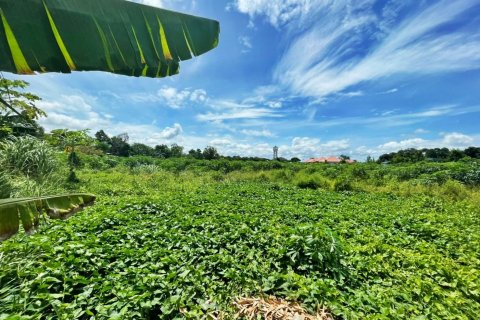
column 18, row 111
column 435, row 154
column 29, row 167
column 183, row 238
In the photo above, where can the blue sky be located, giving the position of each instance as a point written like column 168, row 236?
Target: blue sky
column 315, row 77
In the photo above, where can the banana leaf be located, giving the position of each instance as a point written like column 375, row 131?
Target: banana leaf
column 107, row 35
column 29, row 210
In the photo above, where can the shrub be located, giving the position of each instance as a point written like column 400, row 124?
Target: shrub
column 304, row 181
column 454, row 190
column 310, row 248
column 342, row 185
column 29, row 156
column 145, row 169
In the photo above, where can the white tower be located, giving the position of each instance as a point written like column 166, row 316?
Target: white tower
column 275, row 153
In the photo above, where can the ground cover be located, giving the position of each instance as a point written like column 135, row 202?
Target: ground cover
column 181, row 245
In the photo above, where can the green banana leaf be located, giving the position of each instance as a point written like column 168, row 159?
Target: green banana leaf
column 29, row 210
column 107, row 35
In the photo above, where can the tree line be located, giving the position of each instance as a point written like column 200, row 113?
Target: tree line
column 435, row 155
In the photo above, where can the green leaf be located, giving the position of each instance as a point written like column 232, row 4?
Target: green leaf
column 28, row 210
column 110, row 35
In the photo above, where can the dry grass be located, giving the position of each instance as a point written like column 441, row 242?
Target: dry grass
column 272, row 308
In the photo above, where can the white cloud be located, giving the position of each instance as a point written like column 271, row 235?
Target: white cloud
column 246, row 42
column 421, row 131
column 306, row 147
column 277, row 12
column 353, row 94
column 390, row 119
column 153, row 3
column 77, row 113
column 456, row 139
column 232, row 114
column 170, row 133
column 391, row 146
column 220, row 142
column 172, row 97
column 452, row 140
column 258, row 133
column 326, row 65
column 169, row 4
column 230, row 110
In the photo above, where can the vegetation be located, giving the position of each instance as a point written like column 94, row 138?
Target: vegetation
column 17, row 109
column 436, row 155
column 183, row 238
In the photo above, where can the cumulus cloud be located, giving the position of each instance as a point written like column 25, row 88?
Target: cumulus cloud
column 452, row 140
column 78, row 113
column 457, row 139
column 170, row 133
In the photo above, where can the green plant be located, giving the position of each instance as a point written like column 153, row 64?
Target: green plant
column 29, row 210
column 99, row 41
column 29, row 156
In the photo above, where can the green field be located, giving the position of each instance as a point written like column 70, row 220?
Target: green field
column 183, row 239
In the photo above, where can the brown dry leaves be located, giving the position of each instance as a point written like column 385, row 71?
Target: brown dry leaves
column 275, row 309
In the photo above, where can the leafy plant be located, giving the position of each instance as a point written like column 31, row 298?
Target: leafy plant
column 29, row 210
column 114, row 36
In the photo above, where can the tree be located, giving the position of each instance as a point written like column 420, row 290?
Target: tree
column 140, row 149
column 456, row 155
column 18, row 111
column 473, row 152
column 295, row 159
column 176, row 151
column 210, row 153
column 68, row 140
column 162, row 151
column 197, row 154
column 120, row 146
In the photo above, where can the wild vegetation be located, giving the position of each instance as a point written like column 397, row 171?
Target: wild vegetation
column 177, row 235
column 184, row 238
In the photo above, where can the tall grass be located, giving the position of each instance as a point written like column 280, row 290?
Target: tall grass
column 29, row 167
column 28, row 156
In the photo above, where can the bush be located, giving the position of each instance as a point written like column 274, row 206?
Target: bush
column 27, row 155
column 454, row 190
column 304, row 181
column 145, row 169
column 342, row 185
column 311, row 248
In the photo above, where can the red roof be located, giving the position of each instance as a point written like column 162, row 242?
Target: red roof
column 327, row 160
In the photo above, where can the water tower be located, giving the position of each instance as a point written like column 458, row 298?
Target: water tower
column 275, row 153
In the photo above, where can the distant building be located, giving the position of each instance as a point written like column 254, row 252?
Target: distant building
column 330, row 160
column 275, row 153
